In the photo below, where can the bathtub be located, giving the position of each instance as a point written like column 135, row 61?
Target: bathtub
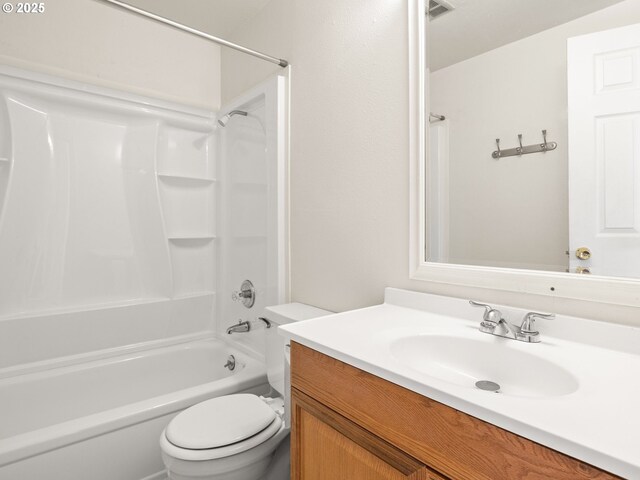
column 101, row 419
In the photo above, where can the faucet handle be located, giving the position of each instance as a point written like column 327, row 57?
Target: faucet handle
column 246, row 295
column 529, row 324
column 487, row 308
column 491, row 315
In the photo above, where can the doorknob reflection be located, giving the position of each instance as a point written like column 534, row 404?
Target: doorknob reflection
column 583, row 253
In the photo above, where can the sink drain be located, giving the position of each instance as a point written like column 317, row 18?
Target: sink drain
column 488, row 386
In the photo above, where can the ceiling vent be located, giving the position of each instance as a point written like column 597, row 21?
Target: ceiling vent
column 438, row 8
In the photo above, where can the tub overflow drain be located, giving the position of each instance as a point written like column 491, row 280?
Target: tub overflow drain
column 231, row 363
column 488, row 386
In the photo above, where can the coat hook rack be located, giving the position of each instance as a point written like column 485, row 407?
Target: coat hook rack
column 526, row 149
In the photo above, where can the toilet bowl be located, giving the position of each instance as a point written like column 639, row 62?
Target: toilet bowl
column 234, row 437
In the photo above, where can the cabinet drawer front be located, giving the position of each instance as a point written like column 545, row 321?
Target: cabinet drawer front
column 452, row 442
column 327, row 446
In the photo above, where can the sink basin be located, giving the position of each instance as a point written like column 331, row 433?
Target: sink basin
column 465, row 361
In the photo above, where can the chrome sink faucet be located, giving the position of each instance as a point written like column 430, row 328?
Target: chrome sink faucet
column 493, row 323
column 492, row 320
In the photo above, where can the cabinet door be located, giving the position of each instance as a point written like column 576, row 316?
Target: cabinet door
column 327, row 446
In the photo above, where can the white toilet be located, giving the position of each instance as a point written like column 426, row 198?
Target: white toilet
column 234, row 437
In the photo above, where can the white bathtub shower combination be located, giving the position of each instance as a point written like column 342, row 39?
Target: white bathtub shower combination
column 124, row 228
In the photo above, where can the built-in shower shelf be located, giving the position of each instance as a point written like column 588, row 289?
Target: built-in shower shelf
column 191, row 237
column 185, row 178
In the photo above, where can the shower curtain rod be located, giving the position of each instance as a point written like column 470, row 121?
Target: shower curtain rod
column 193, row 31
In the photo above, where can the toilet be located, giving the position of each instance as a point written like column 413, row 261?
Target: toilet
column 234, row 437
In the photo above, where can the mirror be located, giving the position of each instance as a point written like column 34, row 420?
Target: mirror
column 533, row 157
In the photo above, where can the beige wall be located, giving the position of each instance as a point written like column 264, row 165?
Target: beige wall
column 88, row 41
column 518, row 88
column 349, row 151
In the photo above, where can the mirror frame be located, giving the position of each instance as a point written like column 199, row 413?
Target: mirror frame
column 608, row 290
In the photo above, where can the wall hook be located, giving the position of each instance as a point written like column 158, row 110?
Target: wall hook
column 524, row 149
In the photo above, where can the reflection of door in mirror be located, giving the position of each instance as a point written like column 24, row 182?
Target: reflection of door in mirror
column 492, row 82
column 604, row 151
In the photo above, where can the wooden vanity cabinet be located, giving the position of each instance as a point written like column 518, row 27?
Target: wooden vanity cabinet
column 330, row 446
column 350, row 425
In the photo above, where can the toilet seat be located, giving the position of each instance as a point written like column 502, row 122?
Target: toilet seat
column 219, row 422
column 220, row 427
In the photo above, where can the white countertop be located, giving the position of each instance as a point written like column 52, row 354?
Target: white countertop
column 598, row 423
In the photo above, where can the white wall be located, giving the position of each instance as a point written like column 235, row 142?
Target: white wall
column 520, row 204
column 349, row 131
column 89, row 41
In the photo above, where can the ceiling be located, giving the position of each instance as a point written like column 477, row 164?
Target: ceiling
column 478, row 26
column 474, row 27
column 216, row 17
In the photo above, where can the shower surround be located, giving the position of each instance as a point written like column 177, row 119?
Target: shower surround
column 125, row 224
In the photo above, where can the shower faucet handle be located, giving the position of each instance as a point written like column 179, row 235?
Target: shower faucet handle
column 246, row 294
column 236, row 296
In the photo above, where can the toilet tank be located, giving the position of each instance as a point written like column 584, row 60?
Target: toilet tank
column 281, row 315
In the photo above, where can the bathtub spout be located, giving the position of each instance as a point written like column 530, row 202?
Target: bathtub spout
column 240, row 327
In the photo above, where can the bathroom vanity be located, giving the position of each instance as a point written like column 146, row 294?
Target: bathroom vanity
column 348, row 423
column 388, row 392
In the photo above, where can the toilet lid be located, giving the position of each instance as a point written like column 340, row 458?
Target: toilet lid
column 219, row 422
